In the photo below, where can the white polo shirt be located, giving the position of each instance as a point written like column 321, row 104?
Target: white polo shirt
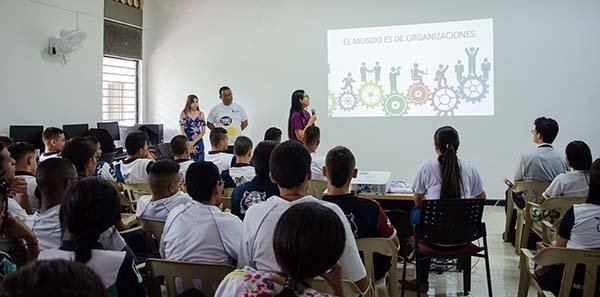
column 31, row 185
column 242, row 175
column 571, row 184
column 228, row 117
column 221, row 159
column 159, row 209
column 15, row 209
column 46, row 227
column 316, row 166
column 429, row 180
column 257, row 237
column 134, row 171
column 199, row 232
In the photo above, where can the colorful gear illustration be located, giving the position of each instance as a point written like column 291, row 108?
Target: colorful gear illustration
column 473, row 88
column 445, row 100
column 347, row 101
column 332, row 102
column 371, row 95
column 395, row 105
column 418, row 93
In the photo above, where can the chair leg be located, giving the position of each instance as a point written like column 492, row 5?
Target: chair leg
column 509, row 215
column 488, row 272
column 418, row 269
column 466, row 267
column 519, row 232
column 525, row 232
column 403, row 274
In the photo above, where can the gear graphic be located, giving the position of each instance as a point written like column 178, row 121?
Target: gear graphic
column 395, row 105
column 347, row 101
column 473, row 88
column 371, row 95
column 332, row 102
column 444, row 100
column 418, row 93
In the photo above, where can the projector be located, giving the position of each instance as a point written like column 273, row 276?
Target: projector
column 376, row 182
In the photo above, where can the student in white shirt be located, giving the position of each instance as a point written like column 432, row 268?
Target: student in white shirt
column 54, row 140
column 104, row 170
column 312, row 139
column 308, row 241
column 8, row 180
column 574, row 183
column 217, row 235
column 290, row 169
column 242, row 172
column 82, row 152
column 135, row 169
column 228, row 115
column 165, row 184
column 25, row 166
column 90, row 208
column 181, row 148
column 218, row 154
column 446, row 177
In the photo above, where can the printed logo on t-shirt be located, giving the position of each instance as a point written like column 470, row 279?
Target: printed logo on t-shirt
column 250, row 198
column 598, row 225
column 353, row 226
column 225, row 120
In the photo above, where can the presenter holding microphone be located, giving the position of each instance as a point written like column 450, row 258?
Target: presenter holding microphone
column 300, row 118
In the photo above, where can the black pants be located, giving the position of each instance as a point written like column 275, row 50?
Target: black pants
column 551, row 280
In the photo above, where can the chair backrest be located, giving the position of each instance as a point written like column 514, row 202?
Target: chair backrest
column 570, row 258
column 316, row 188
column 135, row 191
column 383, row 246
column 532, row 189
column 350, row 289
column 226, row 202
column 209, row 275
column 451, row 222
column 227, row 192
column 562, row 204
column 154, row 227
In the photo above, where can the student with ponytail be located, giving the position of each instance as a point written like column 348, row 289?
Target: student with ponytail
column 90, row 208
column 447, row 177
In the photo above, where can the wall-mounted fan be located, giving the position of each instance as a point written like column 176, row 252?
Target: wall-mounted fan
column 68, row 42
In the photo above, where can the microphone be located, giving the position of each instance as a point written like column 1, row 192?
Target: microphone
column 313, row 111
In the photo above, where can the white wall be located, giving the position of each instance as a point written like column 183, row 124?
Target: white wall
column 37, row 89
column 546, row 63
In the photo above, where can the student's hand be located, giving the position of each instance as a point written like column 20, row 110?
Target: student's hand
column 333, row 277
column 18, row 185
column 18, row 229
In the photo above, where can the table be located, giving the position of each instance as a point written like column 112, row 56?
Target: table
column 388, row 196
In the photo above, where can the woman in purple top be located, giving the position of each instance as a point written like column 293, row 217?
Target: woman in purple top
column 192, row 124
column 300, row 118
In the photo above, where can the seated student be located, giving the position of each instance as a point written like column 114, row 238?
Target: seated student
column 53, row 278
column 219, row 240
column 54, row 140
column 446, row 177
column 574, row 183
column 181, row 150
column 55, row 177
column 104, row 170
column 308, row 242
column 14, row 185
column 260, row 187
column 312, row 139
column 578, row 229
column 366, row 217
column 25, row 166
column 136, row 168
column 90, row 208
column 290, row 169
column 273, row 134
column 218, row 155
column 82, row 152
column 165, row 183
column 6, row 140
column 242, row 172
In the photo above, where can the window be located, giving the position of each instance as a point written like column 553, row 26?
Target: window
column 120, row 91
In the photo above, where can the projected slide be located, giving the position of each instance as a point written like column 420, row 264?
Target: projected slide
column 437, row 69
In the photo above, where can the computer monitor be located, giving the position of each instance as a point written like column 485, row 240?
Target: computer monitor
column 30, row 134
column 112, row 128
column 76, row 130
column 154, row 132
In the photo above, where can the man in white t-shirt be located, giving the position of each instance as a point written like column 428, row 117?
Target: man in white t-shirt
column 199, row 231
column 228, row 115
column 181, row 150
column 312, row 139
column 218, row 154
column 165, row 184
column 136, row 168
column 25, row 166
column 290, row 169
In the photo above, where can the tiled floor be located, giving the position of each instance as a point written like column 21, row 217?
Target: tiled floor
column 503, row 263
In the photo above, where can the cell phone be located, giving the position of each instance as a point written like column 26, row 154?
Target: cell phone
column 508, row 183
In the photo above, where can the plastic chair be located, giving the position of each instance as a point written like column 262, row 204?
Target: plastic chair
column 388, row 285
column 532, row 190
column 227, row 192
column 153, row 229
column 133, row 192
column 447, row 229
column 316, row 188
column 209, row 275
column 226, row 202
column 570, row 258
column 350, row 289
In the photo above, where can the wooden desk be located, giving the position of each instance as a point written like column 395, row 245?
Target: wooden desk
column 389, row 196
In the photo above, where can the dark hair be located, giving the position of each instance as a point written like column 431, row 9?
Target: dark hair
column 340, row 163
column 299, row 245
column 79, row 150
column 216, row 135
column 594, row 194
column 290, row 164
column 446, row 140
column 242, row 146
column 273, row 133
column 179, row 144
column 223, row 88
column 547, row 127
column 51, row 133
column 188, row 103
column 53, row 278
column 312, row 135
column 7, row 141
column 2, row 147
column 162, row 174
column 201, row 179
column 135, row 141
column 579, row 155
column 296, row 106
column 89, row 208
column 52, row 176
column 20, row 150
column 261, row 157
